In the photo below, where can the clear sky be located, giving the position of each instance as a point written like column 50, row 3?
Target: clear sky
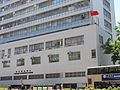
column 117, row 10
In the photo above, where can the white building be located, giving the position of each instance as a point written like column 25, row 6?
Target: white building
column 52, row 42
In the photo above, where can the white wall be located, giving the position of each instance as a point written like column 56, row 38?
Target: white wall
column 64, row 65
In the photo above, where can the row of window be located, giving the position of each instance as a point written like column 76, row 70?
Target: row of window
column 28, row 9
column 37, row 60
column 21, row 2
column 13, row 5
column 2, row 53
column 104, row 70
column 108, row 25
column 4, row 1
column 101, row 39
column 42, row 76
column 42, row 15
column 72, row 56
column 45, row 14
column 107, row 14
column 106, row 3
column 71, row 41
column 61, row 24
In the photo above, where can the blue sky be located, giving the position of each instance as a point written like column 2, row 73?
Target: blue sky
column 117, row 10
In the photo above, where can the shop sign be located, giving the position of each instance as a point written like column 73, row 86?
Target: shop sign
column 111, row 77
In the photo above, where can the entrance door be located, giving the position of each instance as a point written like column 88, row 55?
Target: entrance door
column 44, row 88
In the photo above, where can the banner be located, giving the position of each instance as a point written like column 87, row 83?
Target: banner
column 111, row 77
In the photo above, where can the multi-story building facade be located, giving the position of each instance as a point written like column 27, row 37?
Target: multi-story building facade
column 52, row 41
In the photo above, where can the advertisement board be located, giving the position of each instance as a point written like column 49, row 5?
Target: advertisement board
column 111, row 77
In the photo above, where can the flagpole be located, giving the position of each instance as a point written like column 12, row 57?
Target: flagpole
column 91, row 6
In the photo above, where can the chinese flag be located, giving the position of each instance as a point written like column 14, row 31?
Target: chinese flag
column 94, row 13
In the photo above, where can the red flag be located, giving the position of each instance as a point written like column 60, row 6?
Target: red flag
column 93, row 13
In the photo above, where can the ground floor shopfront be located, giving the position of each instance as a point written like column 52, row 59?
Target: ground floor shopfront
column 40, row 87
column 104, row 80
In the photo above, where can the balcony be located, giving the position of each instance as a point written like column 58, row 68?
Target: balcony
column 47, row 30
column 21, row 7
column 7, row 2
column 36, row 10
column 47, row 19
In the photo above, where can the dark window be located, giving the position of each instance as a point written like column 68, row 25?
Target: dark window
column 6, row 78
column 106, row 3
column 21, row 50
column 37, row 76
column 73, row 41
column 93, row 52
column 53, row 58
column 6, row 64
column 54, row 44
column 73, row 56
column 36, row 60
column 20, row 77
column 75, row 74
column 100, row 39
column 103, row 70
column 21, row 62
column 36, row 47
column 89, row 81
column 53, row 75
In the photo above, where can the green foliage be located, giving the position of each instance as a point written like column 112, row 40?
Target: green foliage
column 113, row 47
column 104, row 89
column 110, row 88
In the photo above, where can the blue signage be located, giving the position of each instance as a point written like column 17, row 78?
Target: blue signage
column 111, row 77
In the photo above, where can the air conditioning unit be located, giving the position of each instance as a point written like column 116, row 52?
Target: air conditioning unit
column 32, row 58
column 2, row 57
column 70, row 52
column 8, row 56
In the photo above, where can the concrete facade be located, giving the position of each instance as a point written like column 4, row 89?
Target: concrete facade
column 71, row 25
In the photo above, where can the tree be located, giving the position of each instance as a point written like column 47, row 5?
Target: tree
column 113, row 48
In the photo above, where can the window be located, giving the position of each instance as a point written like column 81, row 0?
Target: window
column 75, row 74
column 108, row 25
column 21, row 62
column 67, row 23
column 53, row 75
column 73, row 41
column 74, row 55
column 36, row 60
column 54, row 44
column 22, row 77
column 57, row 1
column 21, row 50
column 36, row 47
column 2, row 54
column 103, row 70
column 53, row 58
column 106, row 3
column 107, row 14
column 100, row 39
column 4, row 78
column 6, row 64
column 44, row 15
column 93, row 52
column 41, row 27
column 89, row 81
column 37, row 76
column 9, row 53
column 8, row 16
